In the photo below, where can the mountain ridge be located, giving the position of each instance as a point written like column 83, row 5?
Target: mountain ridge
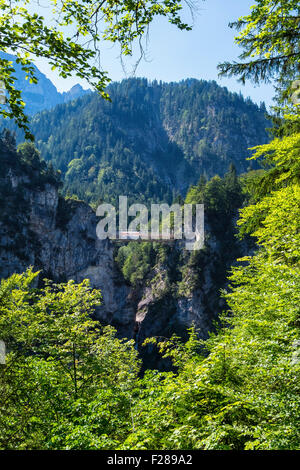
column 44, row 94
column 153, row 140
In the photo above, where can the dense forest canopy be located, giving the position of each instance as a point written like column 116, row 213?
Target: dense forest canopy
column 152, row 141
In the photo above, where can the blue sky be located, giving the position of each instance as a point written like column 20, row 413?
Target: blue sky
column 174, row 55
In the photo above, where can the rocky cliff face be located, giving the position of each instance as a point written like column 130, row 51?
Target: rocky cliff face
column 71, row 250
column 57, row 236
column 184, row 290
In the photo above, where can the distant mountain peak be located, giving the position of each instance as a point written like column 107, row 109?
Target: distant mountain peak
column 77, row 88
column 75, row 92
column 44, row 94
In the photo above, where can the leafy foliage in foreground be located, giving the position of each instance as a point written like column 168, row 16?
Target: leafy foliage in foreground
column 26, row 33
column 68, row 384
column 245, row 394
column 269, row 36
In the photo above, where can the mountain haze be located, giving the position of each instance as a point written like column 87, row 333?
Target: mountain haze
column 44, row 94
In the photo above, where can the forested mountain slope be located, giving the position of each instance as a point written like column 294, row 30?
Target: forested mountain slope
column 148, row 288
column 151, row 141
